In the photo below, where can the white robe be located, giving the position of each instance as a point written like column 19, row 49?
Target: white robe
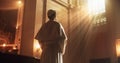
column 52, row 38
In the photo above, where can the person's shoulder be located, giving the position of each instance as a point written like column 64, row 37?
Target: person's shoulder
column 57, row 22
column 53, row 22
column 44, row 24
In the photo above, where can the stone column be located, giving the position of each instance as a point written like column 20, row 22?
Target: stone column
column 28, row 25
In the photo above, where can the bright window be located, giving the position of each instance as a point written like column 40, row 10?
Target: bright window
column 96, row 9
column 96, row 6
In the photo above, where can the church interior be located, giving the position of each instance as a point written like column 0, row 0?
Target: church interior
column 92, row 28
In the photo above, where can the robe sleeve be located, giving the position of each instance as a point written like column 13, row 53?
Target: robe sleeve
column 62, row 42
column 40, row 32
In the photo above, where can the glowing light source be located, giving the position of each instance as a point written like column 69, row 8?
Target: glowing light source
column 14, row 47
column 4, row 45
column 118, row 47
column 36, row 44
column 19, row 2
column 37, row 49
column 96, row 6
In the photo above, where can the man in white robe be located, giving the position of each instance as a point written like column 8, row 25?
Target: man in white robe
column 52, row 38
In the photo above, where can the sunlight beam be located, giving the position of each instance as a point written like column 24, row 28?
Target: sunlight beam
column 96, row 6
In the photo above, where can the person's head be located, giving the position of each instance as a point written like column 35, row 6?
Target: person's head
column 51, row 14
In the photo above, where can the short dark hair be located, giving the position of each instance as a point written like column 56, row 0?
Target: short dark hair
column 51, row 14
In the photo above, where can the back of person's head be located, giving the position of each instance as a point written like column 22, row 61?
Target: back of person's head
column 51, row 14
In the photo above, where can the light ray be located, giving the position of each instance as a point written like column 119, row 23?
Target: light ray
column 96, row 6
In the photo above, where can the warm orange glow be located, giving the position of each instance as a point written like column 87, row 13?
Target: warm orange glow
column 36, row 44
column 17, row 26
column 37, row 49
column 4, row 45
column 19, row 3
column 118, row 47
column 14, row 47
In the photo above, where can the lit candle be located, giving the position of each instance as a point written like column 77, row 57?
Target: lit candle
column 4, row 45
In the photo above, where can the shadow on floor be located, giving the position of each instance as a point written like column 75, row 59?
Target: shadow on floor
column 13, row 58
